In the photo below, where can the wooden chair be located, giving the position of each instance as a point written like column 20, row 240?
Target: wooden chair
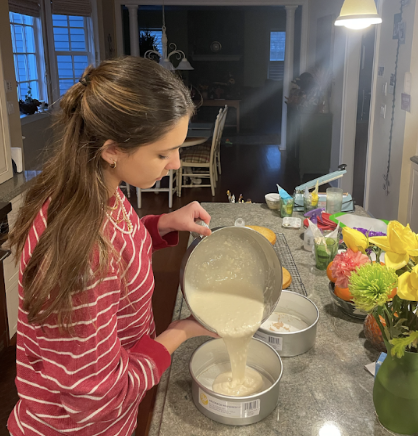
column 156, row 189
column 200, row 158
column 218, row 145
column 126, row 186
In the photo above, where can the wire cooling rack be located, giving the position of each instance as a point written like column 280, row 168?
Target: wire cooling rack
column 283, row 252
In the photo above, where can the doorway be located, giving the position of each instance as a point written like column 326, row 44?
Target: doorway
column 363, row 113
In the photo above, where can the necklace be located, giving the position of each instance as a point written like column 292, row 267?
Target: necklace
column 124, row 214
column 115, row 206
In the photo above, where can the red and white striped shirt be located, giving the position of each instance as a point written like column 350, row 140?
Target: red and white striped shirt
column 90, row 382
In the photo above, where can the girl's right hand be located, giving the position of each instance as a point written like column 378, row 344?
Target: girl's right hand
column 179, row 331
column 192, row 328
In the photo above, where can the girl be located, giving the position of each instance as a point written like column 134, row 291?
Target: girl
column 86, row 345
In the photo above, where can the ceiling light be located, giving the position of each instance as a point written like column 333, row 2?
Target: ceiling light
column 358, row 14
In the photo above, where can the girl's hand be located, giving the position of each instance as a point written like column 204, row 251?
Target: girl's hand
column 192, row 328
column 179, row 331
column 184, row 219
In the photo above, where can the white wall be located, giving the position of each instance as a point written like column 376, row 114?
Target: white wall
column 318, row 9
column 411, row 133
column 6, row 52
column 378, row 202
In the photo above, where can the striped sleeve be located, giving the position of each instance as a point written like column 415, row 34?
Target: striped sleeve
column 169, row 240
column 97, row 379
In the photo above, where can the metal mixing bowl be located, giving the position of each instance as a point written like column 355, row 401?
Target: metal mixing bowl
column 213, row 250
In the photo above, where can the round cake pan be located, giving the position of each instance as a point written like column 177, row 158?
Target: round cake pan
column 211, row 359
column 304, row 314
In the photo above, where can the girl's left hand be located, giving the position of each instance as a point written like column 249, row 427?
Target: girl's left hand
column 184, row 220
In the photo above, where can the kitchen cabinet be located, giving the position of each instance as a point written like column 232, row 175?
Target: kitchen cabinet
column 6, row 168
column 11, row 273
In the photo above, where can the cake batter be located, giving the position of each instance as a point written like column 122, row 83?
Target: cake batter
column 234, row 308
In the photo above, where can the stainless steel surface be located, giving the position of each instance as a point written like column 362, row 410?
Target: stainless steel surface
column 346, row 306
column 260, row 357
column 289, row 344
column 211, row 247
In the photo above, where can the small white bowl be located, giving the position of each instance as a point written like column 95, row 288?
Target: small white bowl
column 273, row 201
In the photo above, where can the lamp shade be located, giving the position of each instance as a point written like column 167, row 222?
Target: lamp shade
column 165, row 63
column 358, row 14
column 184, row 65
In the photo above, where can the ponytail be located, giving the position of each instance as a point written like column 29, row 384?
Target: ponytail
column 131, row 101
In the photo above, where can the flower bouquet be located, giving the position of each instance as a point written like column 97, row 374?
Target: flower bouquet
column 389, row 292
column 358, row 253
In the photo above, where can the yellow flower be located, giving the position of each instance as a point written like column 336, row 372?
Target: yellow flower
column 399, row 244
column 408, row 285
column 354, row 239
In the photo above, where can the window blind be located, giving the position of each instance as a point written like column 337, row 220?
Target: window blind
column 25, row 7
column 275, row 70
column 81, row 8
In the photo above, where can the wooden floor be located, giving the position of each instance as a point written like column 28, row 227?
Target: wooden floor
column 251, row 170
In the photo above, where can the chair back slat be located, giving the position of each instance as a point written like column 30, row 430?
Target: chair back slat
column 215, row 134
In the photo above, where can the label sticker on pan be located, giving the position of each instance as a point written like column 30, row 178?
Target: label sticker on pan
column 229, row 409
column 275, row 341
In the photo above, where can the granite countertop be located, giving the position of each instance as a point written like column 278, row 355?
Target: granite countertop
column 328, row 384
column 414, row 159
column 16, row 185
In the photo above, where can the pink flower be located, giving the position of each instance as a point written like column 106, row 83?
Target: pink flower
column 344, row 264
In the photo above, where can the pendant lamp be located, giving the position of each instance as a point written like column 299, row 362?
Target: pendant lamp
column 358, row 14
column 164, row 57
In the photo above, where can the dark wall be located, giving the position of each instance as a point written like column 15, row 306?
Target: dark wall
column 243, row 32
column 226, row 27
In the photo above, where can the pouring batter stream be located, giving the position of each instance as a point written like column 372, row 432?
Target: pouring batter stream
column 234, row 308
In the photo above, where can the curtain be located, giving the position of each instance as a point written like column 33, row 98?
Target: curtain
column 25, row 7
column 71, row 7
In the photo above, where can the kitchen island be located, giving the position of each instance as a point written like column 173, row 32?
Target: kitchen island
column 324, row 392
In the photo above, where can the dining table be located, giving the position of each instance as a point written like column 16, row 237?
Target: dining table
column 198, row 134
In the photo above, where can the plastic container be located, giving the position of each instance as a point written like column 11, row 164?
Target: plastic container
column 334, row 202
column 308, row 240
column 286, row 207
column 325, row 251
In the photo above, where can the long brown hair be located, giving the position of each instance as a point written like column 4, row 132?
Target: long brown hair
column 131, row 101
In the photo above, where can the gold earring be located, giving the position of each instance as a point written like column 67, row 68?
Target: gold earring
column 113, row 165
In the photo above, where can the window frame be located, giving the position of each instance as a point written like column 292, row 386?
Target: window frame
column 91, row 45
column 39, row 56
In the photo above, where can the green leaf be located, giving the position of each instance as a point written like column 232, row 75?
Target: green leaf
column 400, row 344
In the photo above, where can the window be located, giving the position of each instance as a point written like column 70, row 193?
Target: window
column 68, row 27
column 158, row 35
column 72, row 48
column 28, row 56
column 277, row 53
